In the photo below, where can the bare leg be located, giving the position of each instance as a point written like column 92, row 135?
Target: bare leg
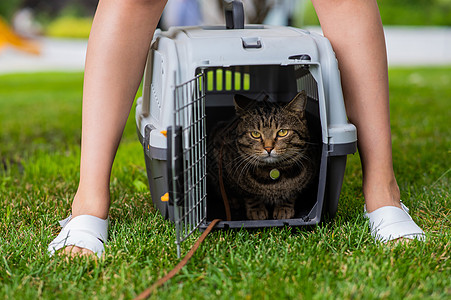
column 355, row 31
column 117, row 50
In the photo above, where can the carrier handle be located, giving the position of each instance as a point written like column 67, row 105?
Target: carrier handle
column 234, row 14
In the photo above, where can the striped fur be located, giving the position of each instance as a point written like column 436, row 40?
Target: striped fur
column 263, row 137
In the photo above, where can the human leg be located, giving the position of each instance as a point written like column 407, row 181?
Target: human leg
column 117, row 50
column 355, row 31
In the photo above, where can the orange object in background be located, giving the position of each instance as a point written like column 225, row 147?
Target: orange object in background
column 9, row 38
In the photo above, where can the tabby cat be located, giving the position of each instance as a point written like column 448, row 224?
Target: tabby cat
column 264, row 157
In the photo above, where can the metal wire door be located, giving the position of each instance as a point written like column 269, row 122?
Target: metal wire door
column 188, row 163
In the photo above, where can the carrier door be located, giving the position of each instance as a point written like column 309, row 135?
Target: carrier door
column 187, row 158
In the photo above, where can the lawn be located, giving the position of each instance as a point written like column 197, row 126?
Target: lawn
column 40, row 120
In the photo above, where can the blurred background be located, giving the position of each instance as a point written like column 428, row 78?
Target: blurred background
column 52, row 34
column 72, row 18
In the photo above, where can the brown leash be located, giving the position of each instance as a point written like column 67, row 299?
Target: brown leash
column 222, row 187
column 146, row 293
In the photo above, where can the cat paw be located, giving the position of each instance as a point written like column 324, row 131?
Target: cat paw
column 283, row 213
column 257, row 214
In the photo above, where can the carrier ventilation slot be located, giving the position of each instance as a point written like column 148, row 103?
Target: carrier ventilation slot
column 306, row 82
column 155, row 106
column 228, row 79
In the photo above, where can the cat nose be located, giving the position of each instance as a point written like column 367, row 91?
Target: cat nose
column 268, row 149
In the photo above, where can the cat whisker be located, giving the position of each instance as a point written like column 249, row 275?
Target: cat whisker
column 244, row 170
column 240, row 167
column 298, row 158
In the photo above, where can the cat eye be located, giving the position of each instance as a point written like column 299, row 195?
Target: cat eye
column 282, row 132
column 255, row 134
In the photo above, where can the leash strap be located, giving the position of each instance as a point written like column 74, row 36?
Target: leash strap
column 146, row 293
column 222, row 187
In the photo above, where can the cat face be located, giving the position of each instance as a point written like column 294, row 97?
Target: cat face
column 270, row 134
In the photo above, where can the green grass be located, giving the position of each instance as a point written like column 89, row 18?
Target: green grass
column 393, row 13
column 39, row 151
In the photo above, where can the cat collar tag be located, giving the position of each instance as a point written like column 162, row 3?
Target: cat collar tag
column 274, row 174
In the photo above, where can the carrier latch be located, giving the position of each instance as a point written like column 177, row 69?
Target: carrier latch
column 300, row 57
column 251, row 42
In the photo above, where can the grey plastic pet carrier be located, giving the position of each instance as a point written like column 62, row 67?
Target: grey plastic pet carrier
column 191, row 76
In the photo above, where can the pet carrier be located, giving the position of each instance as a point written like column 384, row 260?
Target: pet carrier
column 191, row 76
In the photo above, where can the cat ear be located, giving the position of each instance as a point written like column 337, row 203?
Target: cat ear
column 242, row 103
column 298, row 103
